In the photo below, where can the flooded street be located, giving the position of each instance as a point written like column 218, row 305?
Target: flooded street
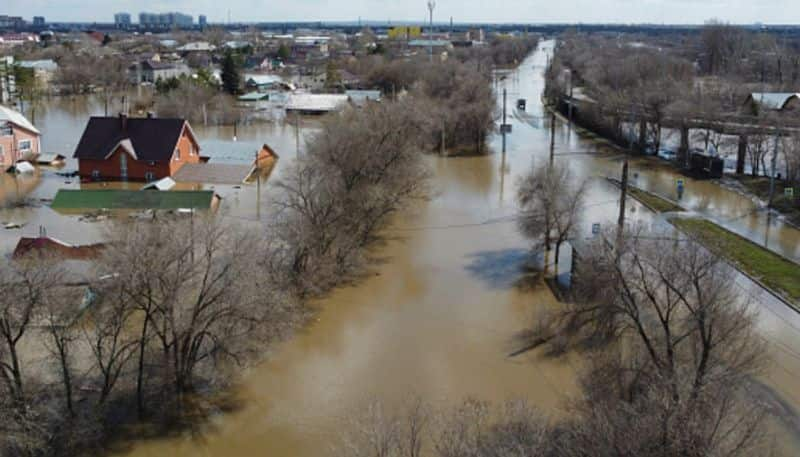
column 437, row 313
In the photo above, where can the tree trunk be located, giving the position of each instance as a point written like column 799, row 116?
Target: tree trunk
column 741, row 156
column 642, row 135
column 140, row 368
column 65, row 376
column 683, row 150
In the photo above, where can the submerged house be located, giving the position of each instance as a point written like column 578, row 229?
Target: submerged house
column 138, row 149
column 19, row 139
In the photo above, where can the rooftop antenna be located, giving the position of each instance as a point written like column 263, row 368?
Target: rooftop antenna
column 431, row 6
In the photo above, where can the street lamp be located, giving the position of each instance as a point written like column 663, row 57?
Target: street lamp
column 431, row 6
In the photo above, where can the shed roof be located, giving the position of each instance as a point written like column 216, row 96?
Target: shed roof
column 773, row 100
column 163, row 184
column 69, row 199
column 52, row 246
column 44, row 64
column 316, row 102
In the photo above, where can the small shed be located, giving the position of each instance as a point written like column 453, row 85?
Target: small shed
column 52, row 160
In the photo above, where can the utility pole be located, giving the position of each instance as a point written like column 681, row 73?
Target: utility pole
column 431, row 6
column 258, row 188
column 623, row 196
column 569, row 108
column 772, row 174
column 552, row 137
column 503, row 127
column 297, row 134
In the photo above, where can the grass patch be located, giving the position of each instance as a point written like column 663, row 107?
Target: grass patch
column 778, row 273
column 653, row 201
column 759, row 186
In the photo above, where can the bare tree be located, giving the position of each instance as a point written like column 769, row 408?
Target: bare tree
column 680, row 350
column 361, row 168
column 550, row 203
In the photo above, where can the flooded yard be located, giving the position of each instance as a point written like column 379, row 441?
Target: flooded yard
column 437, row 312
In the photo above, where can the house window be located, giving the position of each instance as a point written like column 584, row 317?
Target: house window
column 149, row 176
column 152, row 163
column 5, row 129
column 25, row 145
column 95, row 174
column 177, row 153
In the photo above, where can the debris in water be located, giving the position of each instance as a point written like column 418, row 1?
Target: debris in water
column 12, row 225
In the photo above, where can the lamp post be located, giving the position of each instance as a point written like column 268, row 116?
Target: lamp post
column 431, row 6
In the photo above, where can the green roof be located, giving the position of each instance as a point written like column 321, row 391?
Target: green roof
column 132, row 199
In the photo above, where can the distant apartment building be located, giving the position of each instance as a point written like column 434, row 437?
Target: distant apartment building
column 122, row 20
column 38, row 21
column 202, row 21
column 165, row 20
column 11, row 22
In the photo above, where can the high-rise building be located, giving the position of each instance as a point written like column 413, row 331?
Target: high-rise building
column 122, row 20
column 38, row 21
column 11, row 22
column 202, row 21
column 165, row 20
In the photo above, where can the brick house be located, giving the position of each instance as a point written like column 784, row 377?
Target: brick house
column 138, row 149
column 19, row 139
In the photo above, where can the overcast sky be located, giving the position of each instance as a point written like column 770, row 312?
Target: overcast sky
column 587, row 11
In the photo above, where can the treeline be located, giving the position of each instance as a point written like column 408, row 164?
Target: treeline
column 670, row 353
column 454, row 94
column 626, row 88
column 162, row 322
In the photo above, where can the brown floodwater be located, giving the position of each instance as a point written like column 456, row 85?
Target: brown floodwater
column 437, row 314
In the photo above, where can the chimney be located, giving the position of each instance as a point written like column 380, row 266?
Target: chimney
column 123, row 120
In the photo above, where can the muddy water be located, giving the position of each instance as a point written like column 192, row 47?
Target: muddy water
column 437, row 314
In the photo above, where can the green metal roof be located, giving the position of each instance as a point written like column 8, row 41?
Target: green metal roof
column 132, row 199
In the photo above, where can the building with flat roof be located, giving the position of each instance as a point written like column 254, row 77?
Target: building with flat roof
column 165, row 20
column 11, row 22
column 122, row 20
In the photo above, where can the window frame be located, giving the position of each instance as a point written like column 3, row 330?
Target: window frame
column 149, row 176
column 28, row 149
column 96, row 174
